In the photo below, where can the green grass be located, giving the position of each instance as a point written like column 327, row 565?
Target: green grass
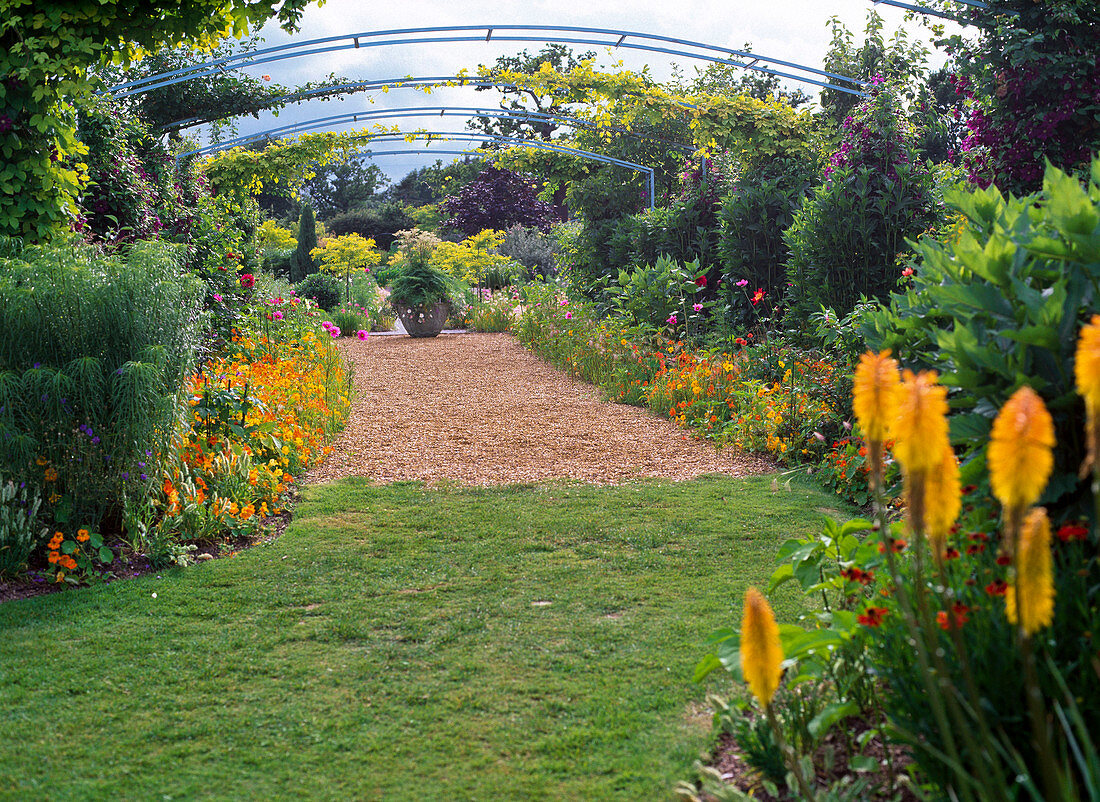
column 530, row 642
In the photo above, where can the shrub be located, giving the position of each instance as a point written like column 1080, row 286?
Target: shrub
column 497, row 199
column 420, row 285
column 20, row 531
column 493, row 315
column 752, row 219
column 533, row 249
column 93, row 355
column 323, row 288
column 999, row 298
column 845, row 238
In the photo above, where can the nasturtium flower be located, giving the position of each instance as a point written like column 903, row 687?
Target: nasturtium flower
column 1021, row 450
column 942, row 499
column 1034, row 583
column 761, row 651
column 875, row 388
column 919, row 428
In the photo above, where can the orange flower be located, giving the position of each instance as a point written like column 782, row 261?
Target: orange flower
column 82, row 535
column 920, row 427
column 761, row 651
column 875, row 387
column 1087, row 371
column 54, row 557
column 67, row 562
column 1021, row 450
column 51, row 474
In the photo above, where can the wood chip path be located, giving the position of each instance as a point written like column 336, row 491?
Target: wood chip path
column 479, row 409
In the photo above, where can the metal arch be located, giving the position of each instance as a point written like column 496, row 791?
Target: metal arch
column 932, row 12
column 466, row 136
column 407, row 82
column 566, row 34
column 412, row 111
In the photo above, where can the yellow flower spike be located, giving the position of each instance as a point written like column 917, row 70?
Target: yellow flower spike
column 761, row 652
column 1087, row 372
column 920, row 426
column 942, row 500
column 1021, row 450
column 1031, row 595
column 874, row 393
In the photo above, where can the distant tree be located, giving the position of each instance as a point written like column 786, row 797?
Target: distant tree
column 379, row 222
column 497, row 199
column 432, row 183
column 341, row 187
column 558, row 56
column 302, row 264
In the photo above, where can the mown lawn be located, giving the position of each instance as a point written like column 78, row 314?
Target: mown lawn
column 531, row 642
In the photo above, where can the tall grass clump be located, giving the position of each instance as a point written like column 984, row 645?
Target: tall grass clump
column 94, row 352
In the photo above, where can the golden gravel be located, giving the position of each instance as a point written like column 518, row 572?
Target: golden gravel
column 478, row 409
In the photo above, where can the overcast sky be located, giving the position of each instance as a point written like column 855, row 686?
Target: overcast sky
column 791, row 30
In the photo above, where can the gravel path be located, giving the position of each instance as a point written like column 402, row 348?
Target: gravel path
column 479, row 409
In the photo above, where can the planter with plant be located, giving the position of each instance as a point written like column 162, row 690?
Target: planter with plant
column 421, row 297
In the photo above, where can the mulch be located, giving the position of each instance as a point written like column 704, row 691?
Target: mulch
column 479, row 409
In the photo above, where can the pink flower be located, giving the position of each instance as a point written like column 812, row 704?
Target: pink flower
column 362, row 334
column 327, row 325
column 568, row 315
column 743, row 282
column 697, row 307
column 217, row 297
column 334, row 331
column 563, row 302
column 248, row 281
column 277, row 315
column 671, row 319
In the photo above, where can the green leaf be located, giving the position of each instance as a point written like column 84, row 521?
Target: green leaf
column 106, row 556
column 830, row 716
column 68, row 547
column 810, row 642
column 708, row 664
column 863, row 762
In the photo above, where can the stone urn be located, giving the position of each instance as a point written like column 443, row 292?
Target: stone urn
column 423, row 321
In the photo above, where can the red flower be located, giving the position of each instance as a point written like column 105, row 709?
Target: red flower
column 956, row 619
column 907, row 272
column 741, row 341
column 997, row 587
column 1003, row 559
column 951, row 553
column 758, row 296
column 855, row 574
column 872, row 616
column 978, row 537
column 701, row 281
column 897, row 544
column 975, row 548
column 248, row 281
column 1071, row 532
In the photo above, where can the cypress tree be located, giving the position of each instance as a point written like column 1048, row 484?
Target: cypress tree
column 301, row 265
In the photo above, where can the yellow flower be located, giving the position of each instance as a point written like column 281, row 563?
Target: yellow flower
column 51, row 474
column 1020, row 452
column 875, row 388
column 1034, row 576
column 761, row 652
column 920, row 426
column 942, row 499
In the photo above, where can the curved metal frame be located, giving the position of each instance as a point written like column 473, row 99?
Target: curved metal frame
column 466, row 136
column 302, row 126
column 408, row 82
column 932, row 12
column 565, row 34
